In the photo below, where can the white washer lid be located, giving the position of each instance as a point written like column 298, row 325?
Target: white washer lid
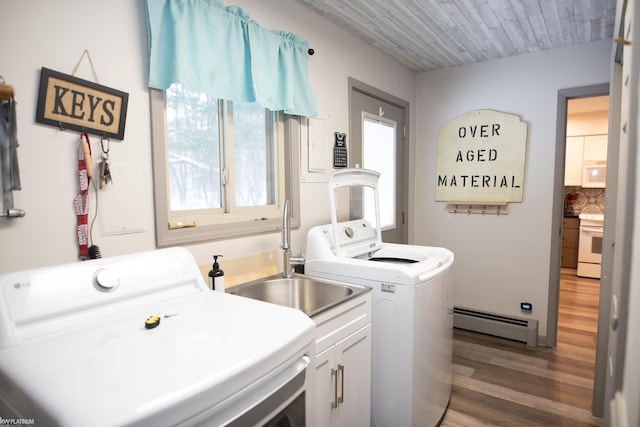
column 367, row 234
column 429, row 262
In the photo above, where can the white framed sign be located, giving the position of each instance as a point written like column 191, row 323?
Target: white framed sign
column 481, row 158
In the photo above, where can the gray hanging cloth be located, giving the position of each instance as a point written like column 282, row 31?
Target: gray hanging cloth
column 9, row 152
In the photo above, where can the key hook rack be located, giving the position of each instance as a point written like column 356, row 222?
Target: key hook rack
column 481, row 208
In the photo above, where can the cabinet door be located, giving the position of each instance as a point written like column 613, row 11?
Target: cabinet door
column 353, row 356
column 569, row 258
column 325, row 387
column 595, row 147
column 343, row 382
column 573, row 161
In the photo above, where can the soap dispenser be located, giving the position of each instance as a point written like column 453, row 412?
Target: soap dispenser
column 216, row 276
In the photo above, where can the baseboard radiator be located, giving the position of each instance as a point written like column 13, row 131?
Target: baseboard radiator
column 514, row 328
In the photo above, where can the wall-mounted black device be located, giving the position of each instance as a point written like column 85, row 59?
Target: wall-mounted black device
column 340, row 150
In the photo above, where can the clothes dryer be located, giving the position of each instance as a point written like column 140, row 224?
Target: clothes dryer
column 139, row 340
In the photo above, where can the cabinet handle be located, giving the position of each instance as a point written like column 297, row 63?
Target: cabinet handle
column 334, row 374
column 341, row 370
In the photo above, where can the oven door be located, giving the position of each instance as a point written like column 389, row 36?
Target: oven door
column 590, row 244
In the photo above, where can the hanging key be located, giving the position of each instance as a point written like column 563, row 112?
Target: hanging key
column 105, row 170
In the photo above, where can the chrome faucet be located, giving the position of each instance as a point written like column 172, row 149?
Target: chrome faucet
column 287, row 260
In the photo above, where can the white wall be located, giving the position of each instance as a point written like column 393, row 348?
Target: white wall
column 501, row 261
column 41, row 33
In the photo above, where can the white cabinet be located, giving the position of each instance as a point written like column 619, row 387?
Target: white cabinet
column 595, row 148
column 580, row 149
column 343, row 379
column 343, row 365
column 573, row 161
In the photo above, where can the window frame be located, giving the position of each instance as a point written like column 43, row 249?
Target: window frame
column 227, row 229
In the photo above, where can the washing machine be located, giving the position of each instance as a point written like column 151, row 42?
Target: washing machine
column 412, row 302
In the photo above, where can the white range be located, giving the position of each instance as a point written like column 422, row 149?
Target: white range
column 590, row 245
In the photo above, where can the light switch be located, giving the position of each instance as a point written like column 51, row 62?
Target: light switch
column 317, row 146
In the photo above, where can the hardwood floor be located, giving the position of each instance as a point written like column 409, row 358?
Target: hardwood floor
column 498, row 382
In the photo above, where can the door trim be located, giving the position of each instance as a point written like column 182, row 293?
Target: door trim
column 556, row 229
column 558, row 188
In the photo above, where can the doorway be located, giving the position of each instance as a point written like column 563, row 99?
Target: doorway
column 584, row 209
column 592, row 200
column 378, row 125
column 584, row 185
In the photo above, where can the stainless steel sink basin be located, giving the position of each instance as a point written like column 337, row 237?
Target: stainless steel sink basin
column 310, row 295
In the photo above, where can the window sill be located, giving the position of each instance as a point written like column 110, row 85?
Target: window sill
column 180, row 236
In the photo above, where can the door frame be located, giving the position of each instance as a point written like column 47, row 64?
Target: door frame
column 403, row 185
column 556, row 232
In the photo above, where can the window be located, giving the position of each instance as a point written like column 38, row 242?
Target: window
column 225, row 166
column 379, row 154
column 223, row 158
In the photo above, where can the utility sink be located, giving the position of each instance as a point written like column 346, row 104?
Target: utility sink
column 309, row 295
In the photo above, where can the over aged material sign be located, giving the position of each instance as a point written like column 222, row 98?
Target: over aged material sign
column 68, row 102
column 481, row 158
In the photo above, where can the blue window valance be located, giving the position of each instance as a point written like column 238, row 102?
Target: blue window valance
column 218, row 50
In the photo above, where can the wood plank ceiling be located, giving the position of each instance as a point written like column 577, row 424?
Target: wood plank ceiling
column 430, row 34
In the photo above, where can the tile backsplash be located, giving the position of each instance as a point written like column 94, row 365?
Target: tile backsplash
column 587, row 200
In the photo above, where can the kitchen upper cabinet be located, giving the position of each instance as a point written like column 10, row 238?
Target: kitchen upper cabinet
column 581, row 149
column 595, row 148
column 573, row 161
